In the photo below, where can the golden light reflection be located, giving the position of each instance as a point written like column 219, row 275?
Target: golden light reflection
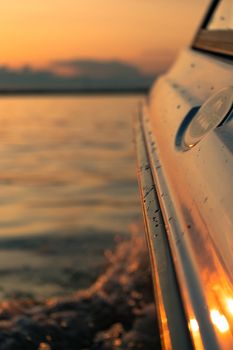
column 229, row 303
column 194, row 325
column 219, row 321
column 196, row 334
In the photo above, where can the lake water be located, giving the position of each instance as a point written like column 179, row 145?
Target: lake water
column 67, row 187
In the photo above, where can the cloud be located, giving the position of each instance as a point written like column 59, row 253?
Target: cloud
column 100, row 69
column 76, row 74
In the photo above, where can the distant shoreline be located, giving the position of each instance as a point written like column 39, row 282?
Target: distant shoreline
column 114, row 91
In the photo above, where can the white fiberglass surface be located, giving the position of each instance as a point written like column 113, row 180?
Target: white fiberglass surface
column 197, row 198
column 223, row 16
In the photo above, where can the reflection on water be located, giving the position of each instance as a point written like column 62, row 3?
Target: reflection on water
column 66, row 170
column 66, row 163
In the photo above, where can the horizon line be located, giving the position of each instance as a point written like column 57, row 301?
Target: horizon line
column 70, row 91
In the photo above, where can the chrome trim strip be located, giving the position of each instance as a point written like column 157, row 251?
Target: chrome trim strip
column 187, row 276
column 173, row 323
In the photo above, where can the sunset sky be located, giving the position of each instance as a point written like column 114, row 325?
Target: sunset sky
column 38, row 32
column 145, row 33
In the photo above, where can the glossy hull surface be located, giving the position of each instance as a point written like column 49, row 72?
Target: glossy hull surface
column 194, row 189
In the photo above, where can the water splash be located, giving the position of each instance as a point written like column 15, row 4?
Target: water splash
column 116, row 312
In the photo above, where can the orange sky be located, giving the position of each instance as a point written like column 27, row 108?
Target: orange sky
column 139, row 31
